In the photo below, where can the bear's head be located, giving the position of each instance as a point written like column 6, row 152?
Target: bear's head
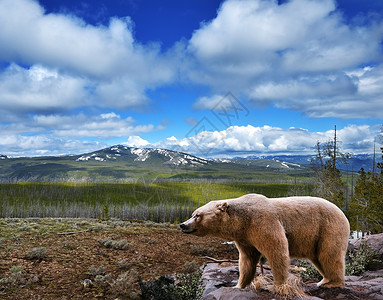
column 207, row 220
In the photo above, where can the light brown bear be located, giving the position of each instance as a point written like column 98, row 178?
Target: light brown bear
column 278, row 228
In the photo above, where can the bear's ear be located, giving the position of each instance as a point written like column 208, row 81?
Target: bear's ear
column 222, row 207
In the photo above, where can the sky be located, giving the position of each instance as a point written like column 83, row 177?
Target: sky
column 211, row 78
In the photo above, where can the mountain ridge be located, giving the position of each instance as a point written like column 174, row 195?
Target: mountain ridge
column 121, row 162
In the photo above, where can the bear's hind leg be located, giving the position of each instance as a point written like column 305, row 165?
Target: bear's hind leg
column 318, row 266
column 333, row 268
column 248, row 259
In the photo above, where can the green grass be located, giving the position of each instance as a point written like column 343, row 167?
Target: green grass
column 158, row 201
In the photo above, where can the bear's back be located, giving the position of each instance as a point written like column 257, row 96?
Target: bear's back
column 306, row 220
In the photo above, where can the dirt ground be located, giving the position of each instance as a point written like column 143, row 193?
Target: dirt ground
column 74, row 263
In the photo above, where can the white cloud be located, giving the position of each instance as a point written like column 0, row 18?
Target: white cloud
column 104, row 63
column 39, row 89
column 105, row 126
column 66, row 42
column 208, row 102
column 298, row 55
column 136, row 141
column 248, row 140
column 18, row 145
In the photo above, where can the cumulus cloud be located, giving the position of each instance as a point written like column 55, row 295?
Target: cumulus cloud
column 19, row 145
column 39, row 89
column 296, row 55
column 249, row 140
column 106, row 126
column 103, row 63
column 136, row 141
column 68, row 43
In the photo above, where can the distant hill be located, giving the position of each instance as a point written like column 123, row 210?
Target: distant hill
column 355, row 163
column 122, row 163
column 152, row 156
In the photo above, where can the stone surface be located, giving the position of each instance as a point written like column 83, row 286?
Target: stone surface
column 219, row 280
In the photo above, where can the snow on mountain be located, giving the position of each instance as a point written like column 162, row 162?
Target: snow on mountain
column 174, row 158
column 152, row 155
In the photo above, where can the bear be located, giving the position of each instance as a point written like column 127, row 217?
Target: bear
column 279, row 228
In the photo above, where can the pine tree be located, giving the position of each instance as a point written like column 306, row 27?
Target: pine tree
column 329, row 184
column 366, row 206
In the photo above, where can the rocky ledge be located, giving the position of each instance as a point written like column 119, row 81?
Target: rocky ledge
column 219, row 280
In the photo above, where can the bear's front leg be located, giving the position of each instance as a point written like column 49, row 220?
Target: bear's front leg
column 276, row 250
column 248, row 259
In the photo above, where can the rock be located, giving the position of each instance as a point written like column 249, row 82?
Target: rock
column 227, row 293
column 216, row 276
column 219, row 280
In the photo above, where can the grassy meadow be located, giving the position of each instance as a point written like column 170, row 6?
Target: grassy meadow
column 156, row 201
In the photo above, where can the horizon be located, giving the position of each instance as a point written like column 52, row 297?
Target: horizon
column 237, row 156
column 208, row 78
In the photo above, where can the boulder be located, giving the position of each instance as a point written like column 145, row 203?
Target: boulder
column 219, row 280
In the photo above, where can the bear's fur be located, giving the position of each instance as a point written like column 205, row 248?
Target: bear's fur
column 279, row 228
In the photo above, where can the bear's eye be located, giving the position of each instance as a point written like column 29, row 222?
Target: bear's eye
column 196, row 216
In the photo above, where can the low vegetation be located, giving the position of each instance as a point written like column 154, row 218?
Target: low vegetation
column 157, row 202
column 357, row 263
column 90, row 258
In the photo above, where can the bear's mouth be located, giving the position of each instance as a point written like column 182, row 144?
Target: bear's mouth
column 188, row 231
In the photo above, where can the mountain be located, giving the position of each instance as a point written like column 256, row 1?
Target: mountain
column 122, row 163
column 355, row 163
column 116, row 163
column 264, row 163
column 147, row 155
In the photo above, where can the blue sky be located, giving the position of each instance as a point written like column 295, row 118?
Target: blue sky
column 211, row 78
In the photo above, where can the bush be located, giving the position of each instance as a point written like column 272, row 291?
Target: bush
column 126, row 264
column 190, row 267
column 185, row 287
column 358, row 263
column 122, row 286
column 17, row 277
column 39, row 253
column 309, row 271
column 189, row 286
column 360, row 260
column 94, row 271
column 119, row 245
column 198, row 250
column 160, row 289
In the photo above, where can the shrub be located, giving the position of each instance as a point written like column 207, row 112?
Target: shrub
column 122, row 286
column 309, row 271
column 198, row 250
column 17, row 277
column 185, row 287
column 189, row 286
column 39, row 253
column 119, row 245
column 103, row 281
column 94, row 271
column 190, row 267
column 126, row 264
column 160, row 289
column 358, row 263
column 360, row 260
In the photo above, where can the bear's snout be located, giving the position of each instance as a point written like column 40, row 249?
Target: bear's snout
column 187, row 227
